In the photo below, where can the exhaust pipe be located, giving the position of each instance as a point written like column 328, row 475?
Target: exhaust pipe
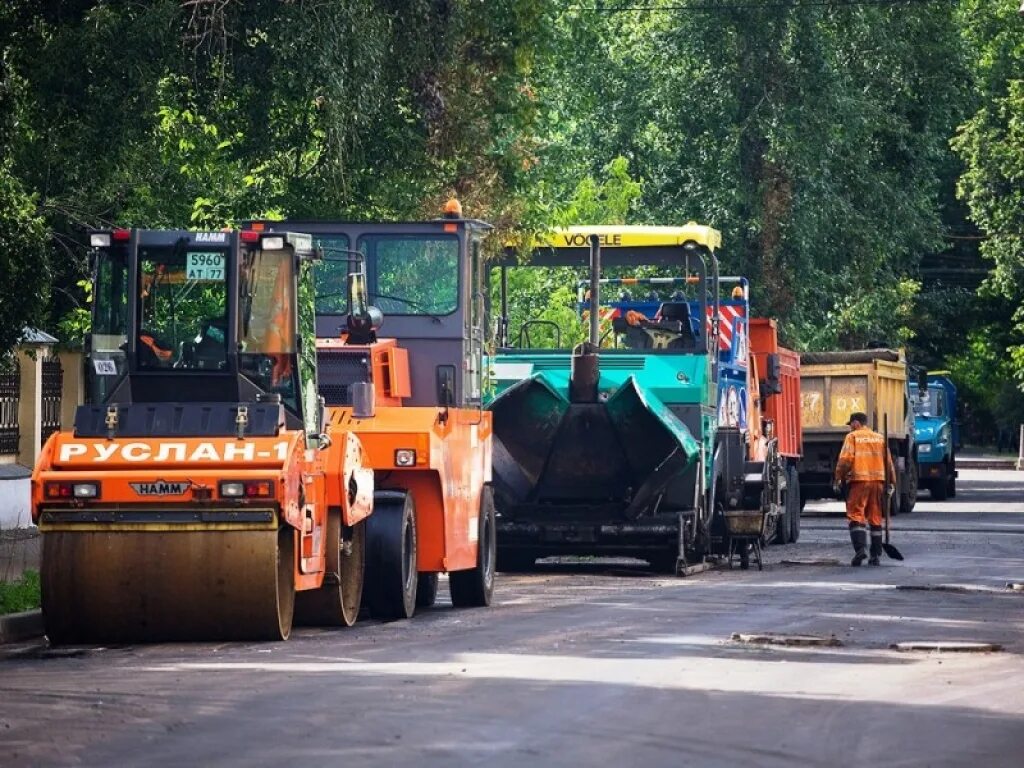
column 585, row 368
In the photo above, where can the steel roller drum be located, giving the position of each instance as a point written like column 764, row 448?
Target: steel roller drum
column 143, row 584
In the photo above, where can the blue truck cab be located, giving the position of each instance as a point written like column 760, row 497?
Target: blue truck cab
column 937, row 431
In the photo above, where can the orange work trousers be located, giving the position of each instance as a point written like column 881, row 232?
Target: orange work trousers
column 864, row 503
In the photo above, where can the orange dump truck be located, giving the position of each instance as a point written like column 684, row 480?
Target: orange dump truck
column 779, row 399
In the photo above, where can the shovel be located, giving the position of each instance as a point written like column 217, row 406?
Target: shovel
column 890, row 550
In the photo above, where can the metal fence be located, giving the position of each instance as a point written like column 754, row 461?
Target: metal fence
column 53, row 387
column 10, row 394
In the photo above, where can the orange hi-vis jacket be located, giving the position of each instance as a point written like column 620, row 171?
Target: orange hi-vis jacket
column 862, row 459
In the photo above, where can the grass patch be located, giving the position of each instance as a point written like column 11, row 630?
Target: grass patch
column 20, row 595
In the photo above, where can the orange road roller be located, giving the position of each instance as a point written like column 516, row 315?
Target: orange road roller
column 207, row 492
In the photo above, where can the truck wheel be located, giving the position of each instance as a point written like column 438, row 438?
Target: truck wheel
column 475, row 587
column 909, row 499
column 784, row 525
column 426, row 590
column 952, row 483
column 391, row 577
column 794, row 503
column 940, row 490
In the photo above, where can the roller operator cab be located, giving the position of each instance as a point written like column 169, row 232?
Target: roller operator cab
column 200, row 494
column 937, row 431
column 638, row 435
column 399, row 325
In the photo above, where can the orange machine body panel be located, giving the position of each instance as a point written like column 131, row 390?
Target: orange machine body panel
column 453, row 462
column 389, row 367
column 175, row 484
column 782, row 408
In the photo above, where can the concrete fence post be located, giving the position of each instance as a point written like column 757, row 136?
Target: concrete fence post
column 30, row 360
column 1020, row 442
column 32, row 350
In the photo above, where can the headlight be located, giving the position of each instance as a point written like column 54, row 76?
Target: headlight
column 247, row 489
column 86, row 490
column 924, row 448
column 63, row 491
column 232, row 489
column 405, row 457
column 99, row 240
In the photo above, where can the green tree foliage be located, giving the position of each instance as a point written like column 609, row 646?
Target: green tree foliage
column 201, row 114
column 813, row 136
column 24, row 262
column 991, row 144
column 549, row 295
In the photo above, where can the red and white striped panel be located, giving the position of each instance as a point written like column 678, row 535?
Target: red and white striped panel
column 727, row 317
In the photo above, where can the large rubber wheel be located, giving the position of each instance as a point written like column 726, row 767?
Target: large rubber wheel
column 784, row 525
column 939, row 490
column 285, row 583
column 952, row 482
column 909, row 499
column 391, row 578
column 794, row 503
column 426, row 590
column 475, row 588
column 337, row 602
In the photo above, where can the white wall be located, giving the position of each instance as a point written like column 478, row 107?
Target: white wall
column 15, row 503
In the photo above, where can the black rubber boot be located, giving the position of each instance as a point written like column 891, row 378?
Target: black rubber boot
column 859, row 539
column 876, row 547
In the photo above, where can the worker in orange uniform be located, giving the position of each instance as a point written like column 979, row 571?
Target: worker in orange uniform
column 867, row 470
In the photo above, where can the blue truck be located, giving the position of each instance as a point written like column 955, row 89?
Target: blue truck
column 937, row 431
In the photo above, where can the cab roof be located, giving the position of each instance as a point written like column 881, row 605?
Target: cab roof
column 631, row 235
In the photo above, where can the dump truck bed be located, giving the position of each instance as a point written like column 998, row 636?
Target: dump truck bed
column 782, row 408
column 835, row 384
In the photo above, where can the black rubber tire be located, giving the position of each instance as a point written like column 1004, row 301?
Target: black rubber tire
column 338, row 601
column 285, row 582
column 426, row 590
column 907, row 501
column 784, row 525
column 939, row 490
column 952, row 483
column 391, row 578
column 794, row 503
column 475, row 588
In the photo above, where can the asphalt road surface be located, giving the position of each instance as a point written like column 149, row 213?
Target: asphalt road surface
column 594, row 664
